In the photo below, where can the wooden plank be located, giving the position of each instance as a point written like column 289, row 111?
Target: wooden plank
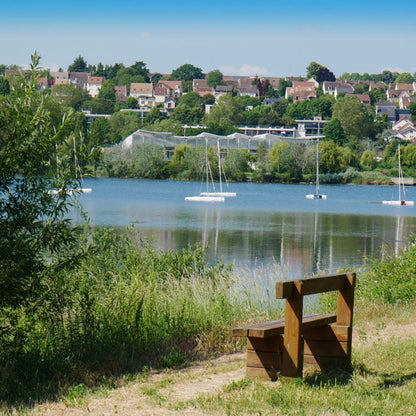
column 262, row 373
column 326, row 348
column 284, row 290
column 326, row 362
column 328, row 333
column 346, row 301
column 317, row 320
column 292, row 365
column 261, row 329
column 323, row 284
column 264, row 359
column 272, row 344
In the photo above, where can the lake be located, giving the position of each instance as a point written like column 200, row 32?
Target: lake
column 265, row 226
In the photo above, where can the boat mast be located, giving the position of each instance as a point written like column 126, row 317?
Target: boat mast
column 219, row 163
column 401, row 182
column 317, row 167
column 206, row 162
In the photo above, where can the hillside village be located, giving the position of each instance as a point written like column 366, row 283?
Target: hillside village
column 358, row 114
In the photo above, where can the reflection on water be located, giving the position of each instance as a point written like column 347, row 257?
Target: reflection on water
column 264, row 226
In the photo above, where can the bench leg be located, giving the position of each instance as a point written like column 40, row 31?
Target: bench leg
column 264, row 357
column 292, row 365
column 328, row 346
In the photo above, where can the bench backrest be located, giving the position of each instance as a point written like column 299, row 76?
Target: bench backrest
column 294, row 291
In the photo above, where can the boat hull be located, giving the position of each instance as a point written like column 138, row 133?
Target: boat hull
column 224, row 194
column 205, row 198
column 315, row 196
column 398, row 203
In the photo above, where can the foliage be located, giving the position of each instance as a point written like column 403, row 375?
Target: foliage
column 4, row 86
column 188, row 115
column 319, row 72
column 390, row 279
column 69, row 96
column 187, row 72
column 99, row 106
column 131, row 103
column 79, row 65
column 368, row 160
column 107, row 91
column 154, row 115
column 191, row 99
column 404, row 78
column 214, row 78
column 334, row 131
column 227, row 111
column 354, row 117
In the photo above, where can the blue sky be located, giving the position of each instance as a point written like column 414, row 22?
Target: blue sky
column 272, row 38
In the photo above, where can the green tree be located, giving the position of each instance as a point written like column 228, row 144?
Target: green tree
column 99, row 106
column 4, row 86
column 228, row 111
column 214, row 78
column 404, row 78
column 177, row 162
column 283, row 84
column 121, row 124
column 69, row 96
column 334, row 131
column 332, row 158
column 131, row 102
column 191, row 99
column 154, row 115
column 79, row 65
column 107, row 91
column 140, row 68
column 187, row 72
column 235, row 164
column 36, row 241
column 368, row 160
column 354, row 117
column 149, row 161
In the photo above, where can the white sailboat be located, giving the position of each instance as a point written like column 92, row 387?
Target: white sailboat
column 70, row 191
column 401, row 201
column 206, row 196
column 220, row 193
column 316, row 195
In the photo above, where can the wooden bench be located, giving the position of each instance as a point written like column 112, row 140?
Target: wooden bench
column 320, row 340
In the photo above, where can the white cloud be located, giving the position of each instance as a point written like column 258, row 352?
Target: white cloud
column 244, row 70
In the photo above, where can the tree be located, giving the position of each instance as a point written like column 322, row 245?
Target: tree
column 79, row 65
column 368, row 160
column 334, row 131
column 404, row 78
column 4, row 86
column 319, row 72
column 154, row 115
column 354, row 117
column 187, row 72
column 191, row 99
column 36, row 241
column 99, row 106
column 283, row 84
column 107, row 91
column 140, row 68
column 228, row 111
column 131, row 103
column 214, row 78
column 69, row 96
column 235, row 164
column 331, row 157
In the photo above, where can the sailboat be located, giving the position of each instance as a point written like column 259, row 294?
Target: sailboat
column 205, row 196
column 316, row 195
column 220, row 193
column 70, row 191
column 400, row 201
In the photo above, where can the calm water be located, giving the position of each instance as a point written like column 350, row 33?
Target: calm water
column 264, row 226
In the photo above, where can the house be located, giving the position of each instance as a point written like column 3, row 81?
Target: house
column 43, row 83
column 362, row 98
column 169, row 105
column 145, row 101
column 403, row 113
column 221, row 90
column 374, row 86
column 405, row 129
column 405, row 87
column 121, row 93
column 310, row 83
column 79, row 79
column 274, row 82
column 386, row 107
column 404, row 102
column 245, row 82
column 141, row 89
column 204, row 90
column 303, row 94
column 230, row 82
column 94, row 85
column 337, row 87
column 60, row 78
column 250, row 90
column 174, row 88
column 395, row 95
column 161, row 94
column 199, row 83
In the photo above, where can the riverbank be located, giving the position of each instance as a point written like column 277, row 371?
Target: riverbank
column 383, row 381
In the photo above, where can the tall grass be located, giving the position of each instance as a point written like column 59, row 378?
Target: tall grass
column 125, row 306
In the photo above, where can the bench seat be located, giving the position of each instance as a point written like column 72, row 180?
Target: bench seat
column 273, row 328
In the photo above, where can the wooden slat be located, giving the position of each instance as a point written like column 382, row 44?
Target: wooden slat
column 262, row 373
column 273, row 328
column 326, row 348
column 292, row 364
column 284, row 290
column 323, row 284
column 264, row 359
column 346, row 301
column 272, row 344
column 328, row 333
column 324, row 362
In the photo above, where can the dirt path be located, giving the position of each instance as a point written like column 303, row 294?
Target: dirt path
column 165, row 392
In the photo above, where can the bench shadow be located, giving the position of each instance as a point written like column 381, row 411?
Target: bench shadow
column 343, row 376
